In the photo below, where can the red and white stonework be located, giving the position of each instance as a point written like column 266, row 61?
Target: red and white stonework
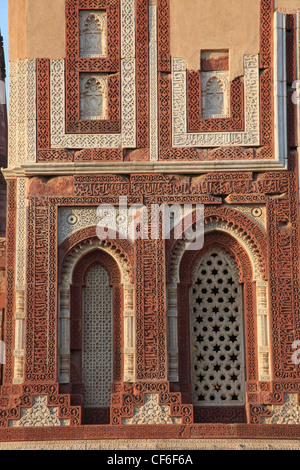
column 103, row 335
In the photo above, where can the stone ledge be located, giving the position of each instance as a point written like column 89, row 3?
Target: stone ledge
column 168, row 444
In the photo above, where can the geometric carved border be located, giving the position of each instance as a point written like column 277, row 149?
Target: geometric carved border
column 76, row 65
column 265, row 105
column 103, row 146
column 251, row 135
column 198, row 124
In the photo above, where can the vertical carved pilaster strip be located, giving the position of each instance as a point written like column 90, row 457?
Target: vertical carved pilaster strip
column 139, row 283
column 161, row 307
column 10, row 279
column 128, row 103
column 30, row 288
column 250, row 331
column 129, row 334
column 30, row 123
column 151, row 318
column 280, row 88
column 194, row 100
column 21, row 111
column 298, row 94
column 266, row 27
column 295, row 242
column 164, row 55
column 64, row 335
column 19, row 350
column 20, row 281
column 37, row 322
column 172, row 329
column 263, row 332
column 183, row 292
column 43, row 104
column 165, row 118
column 118, row 354
column 41, row 292
column 291, row 73
column 52, row 272
column 24, row 110
column 283, row 232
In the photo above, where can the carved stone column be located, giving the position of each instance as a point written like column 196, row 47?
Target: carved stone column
column 172, row 318
column 19, row 351
column 64, row 335
column 129, row 334
column 263, row 331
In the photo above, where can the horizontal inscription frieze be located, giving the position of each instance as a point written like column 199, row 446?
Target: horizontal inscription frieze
column 217, row 184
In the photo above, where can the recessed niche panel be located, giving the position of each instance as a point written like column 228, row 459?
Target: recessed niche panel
column 92, row 33
column 93, row 96
column 215, row 94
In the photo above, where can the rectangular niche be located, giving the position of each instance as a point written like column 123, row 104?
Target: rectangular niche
column 92, row 33
column 93, row 96
column 215, row 86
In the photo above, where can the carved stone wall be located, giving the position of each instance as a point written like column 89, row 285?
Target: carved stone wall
column 136, row 88
column 149, row 114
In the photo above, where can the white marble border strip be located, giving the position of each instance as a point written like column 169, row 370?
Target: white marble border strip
column 59, row 139
column 153, row 55
column 280, row 87
column 21, row 225
column 21, row 233
column 13, row 115
column 127, row 29
column 128, row 74
column 22, row 113
column 251, row 136
column 128, row 94
column 31, row 131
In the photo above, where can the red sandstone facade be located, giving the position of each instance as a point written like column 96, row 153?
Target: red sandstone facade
column 3, row 164
column 237, row 184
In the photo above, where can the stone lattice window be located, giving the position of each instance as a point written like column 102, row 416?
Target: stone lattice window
column 217, row 356
column 92, row 35
column 97, row 351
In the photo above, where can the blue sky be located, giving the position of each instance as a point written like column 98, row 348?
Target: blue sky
column 4, row 30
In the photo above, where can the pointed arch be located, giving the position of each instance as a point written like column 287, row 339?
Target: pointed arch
column 78, row 255
column 245, row 242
